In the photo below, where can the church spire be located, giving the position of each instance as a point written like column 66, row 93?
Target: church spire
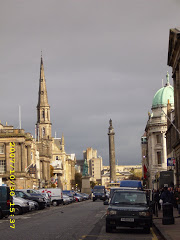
column 43, row 99
column 43, row 108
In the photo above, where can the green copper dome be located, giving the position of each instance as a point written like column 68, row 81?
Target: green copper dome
column 163, row 95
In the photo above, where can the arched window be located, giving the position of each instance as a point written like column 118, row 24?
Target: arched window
column 43, row 131
column 43, row 114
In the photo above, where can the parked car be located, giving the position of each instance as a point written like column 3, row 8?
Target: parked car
column 99, row 192
column 37, row 198
column 5, row 200
column 55, row 195
column 66, row 199
column 78, row 197
column 21, row 205
column 46, row 196
column 33, row 205
column 85, row 196
column 129, row 208
column 70, row 194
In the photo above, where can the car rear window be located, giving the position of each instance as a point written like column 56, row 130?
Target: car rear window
column 129, row 198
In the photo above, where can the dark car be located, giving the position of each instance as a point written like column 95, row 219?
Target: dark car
column 5, row 200
column 37, row 198
column 99, row 192
column 129, row 208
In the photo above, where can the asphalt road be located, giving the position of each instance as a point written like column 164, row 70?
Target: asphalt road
column 78, row 221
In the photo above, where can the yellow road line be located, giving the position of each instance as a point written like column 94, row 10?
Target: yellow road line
column 154, row 235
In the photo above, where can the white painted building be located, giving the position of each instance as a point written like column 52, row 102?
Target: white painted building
column 156, row 129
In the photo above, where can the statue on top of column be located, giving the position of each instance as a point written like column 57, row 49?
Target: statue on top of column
column 85, row 168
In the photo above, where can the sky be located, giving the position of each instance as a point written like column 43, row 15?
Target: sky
column 102, row 59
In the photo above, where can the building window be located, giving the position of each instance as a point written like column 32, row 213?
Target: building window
column 159, row 158
column 2, row 166
column 57, row 158
column 43, row 131
column 158, row 138
column 1, row 149
column 43, row 114
column 143, row 140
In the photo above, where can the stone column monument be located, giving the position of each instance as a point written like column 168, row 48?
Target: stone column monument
column 112, row 161
column 85, row 179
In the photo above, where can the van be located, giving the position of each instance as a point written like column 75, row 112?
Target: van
column 55, row 195
column 5, row 200
column 136, row 184
column 99, row 192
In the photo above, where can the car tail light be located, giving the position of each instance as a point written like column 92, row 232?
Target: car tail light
column 8, row 203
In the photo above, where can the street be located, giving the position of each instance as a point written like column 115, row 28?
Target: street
column 79, row 221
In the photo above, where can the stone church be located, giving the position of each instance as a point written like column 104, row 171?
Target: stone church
column 43, row 130
column 33, row 156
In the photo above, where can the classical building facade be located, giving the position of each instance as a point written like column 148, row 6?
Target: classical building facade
column 94, row 162
column 156, row 132
column 123, row 172
column 63, row 164
column 26, row 158
column 174, row 62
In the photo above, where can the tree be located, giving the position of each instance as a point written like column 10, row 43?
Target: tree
column 51, row 171
column 78, row 180
column 92, row 184
column 134, row 177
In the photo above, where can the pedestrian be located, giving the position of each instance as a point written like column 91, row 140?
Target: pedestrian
column 166, row 196
column 177, row 197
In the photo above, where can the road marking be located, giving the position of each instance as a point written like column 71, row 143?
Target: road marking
column 154, row 235
column 103, row 215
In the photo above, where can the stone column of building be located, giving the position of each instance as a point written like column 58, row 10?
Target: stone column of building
column 20, row 157
column 23, row 158
column 44, row 171
column 7, row 157
column 28, row 155
column 112, row 161
column 17, row 158
column 178, row 94
column 177, row 100
column 164, row 162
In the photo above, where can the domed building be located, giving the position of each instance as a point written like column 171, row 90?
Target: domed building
column 155, row 132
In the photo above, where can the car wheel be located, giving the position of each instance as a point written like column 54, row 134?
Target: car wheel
column 54, row 203
column 18, row 210
column 37, row 207
column 108, row 229
column 147, row 230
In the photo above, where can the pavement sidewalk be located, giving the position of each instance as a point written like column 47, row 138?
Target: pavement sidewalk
column 168, row 232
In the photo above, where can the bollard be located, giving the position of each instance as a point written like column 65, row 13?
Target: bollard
column 167, row 214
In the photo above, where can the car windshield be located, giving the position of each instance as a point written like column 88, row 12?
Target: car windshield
column 129, row 198
column 98, row 190
column 21, row 194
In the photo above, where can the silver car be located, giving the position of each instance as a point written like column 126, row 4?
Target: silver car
column 66, row 199
column 21, row 205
